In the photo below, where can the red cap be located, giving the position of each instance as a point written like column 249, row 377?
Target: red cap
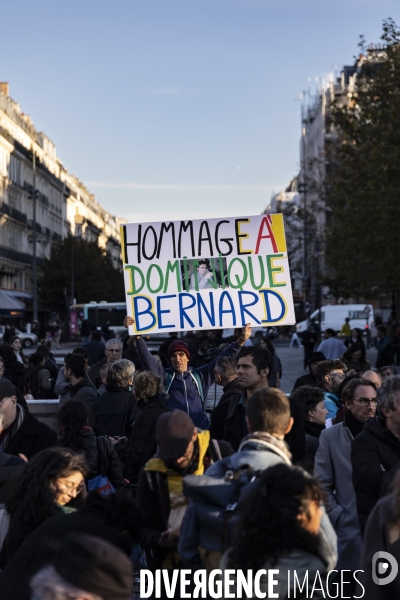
column 178, row 346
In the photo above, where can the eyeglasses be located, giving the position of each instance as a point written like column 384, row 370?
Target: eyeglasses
column 70, row 489
column 366, row 401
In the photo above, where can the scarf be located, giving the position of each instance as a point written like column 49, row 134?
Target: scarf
column 269, row 441
column 313, row 429
column 14, row 427
column 353, row 424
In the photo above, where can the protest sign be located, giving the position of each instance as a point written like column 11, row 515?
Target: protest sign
column 207, row 274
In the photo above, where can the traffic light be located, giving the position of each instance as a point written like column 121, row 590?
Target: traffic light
column 34, row 194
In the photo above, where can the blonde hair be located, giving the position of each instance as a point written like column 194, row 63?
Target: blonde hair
column 146, row 384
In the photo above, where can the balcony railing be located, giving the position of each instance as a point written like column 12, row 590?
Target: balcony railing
column 15, row 214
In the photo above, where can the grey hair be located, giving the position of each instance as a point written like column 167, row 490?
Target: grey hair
column 49, row 585
column 386, row 394
column 227, row 366
column 120, row 373
column 114, row 341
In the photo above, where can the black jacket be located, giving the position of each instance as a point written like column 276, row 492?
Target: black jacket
column 226, row 423
column 17, row 374
column 153, row 500
column 375, row 454
column 115, row 412
column 296, row 438
column 94, row 373
column 142, row 444
column 37, row 550
column 313, row 432
column 9, row 466
column 84, row 390
column 31, row 437
column 107, row 463
column 308, row 379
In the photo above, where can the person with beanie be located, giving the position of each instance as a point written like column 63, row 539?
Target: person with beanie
column 181, row 450
column 86, row 567
column 186, row 387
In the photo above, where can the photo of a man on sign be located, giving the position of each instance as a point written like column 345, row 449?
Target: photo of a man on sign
column 203, row 277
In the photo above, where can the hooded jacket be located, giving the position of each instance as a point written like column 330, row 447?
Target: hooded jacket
column 375, row 454
column 183, row 391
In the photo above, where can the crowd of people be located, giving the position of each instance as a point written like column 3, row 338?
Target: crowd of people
column 146, row 471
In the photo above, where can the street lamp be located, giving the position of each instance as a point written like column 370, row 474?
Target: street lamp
column 34, row 195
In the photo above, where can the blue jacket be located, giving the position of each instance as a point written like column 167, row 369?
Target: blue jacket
column 332, row 404
column 183, row 392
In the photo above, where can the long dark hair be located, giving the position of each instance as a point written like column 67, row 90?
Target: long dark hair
column 72, row 416
column 355, row 348
column 269, row 525
column 30, row 497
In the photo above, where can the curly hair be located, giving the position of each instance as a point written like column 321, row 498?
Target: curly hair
column 308, row 397
column 72, row 417
column 387, row 393
column 31, row 498
column 326, row 368
column 146, row 385
column 269, row 526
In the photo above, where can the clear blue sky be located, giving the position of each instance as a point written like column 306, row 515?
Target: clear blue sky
column 178, row 108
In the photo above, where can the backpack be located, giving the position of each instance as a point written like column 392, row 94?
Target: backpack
column 196, row 379
column 218, row 505
column 101, row 483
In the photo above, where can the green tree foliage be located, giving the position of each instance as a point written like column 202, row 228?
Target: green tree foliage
column 363, row 178
column 95, row 278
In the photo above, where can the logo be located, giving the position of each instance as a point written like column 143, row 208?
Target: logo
column 384, row 564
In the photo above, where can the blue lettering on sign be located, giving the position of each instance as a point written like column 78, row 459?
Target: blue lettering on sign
column 182, row 310
column 147, row 311
column 162, row 312
column 201, row 306
column 269, row 318
column 244, row 307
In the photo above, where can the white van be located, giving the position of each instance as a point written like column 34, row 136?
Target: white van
column 333, row 317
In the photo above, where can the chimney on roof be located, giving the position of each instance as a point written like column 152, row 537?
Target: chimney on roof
column 4, row 87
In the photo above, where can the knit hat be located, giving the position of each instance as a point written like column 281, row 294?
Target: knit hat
column 178, row 346
column 96, row 566
column 174, row 431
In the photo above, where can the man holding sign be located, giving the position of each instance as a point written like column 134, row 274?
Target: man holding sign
column 187, row 388
column 203, row 274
